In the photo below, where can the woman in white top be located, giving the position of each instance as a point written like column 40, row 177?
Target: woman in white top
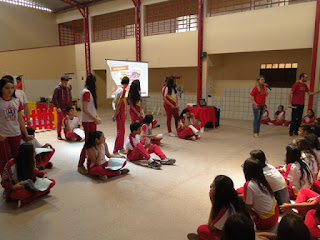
column 97, row 164
column 258, row 196
column 90, row 118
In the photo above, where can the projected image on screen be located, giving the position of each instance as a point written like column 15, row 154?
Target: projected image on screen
column 116, row 70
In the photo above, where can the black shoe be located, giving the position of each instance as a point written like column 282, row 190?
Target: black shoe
column 124, row 171
column 49, row 165
column 40, row 168
column 155, row 165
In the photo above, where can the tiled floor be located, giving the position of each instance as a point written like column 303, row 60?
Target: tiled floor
column 146, row 204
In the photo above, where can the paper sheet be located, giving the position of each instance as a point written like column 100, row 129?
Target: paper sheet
column 42, row 184
column 116, row 163
column 43, row 150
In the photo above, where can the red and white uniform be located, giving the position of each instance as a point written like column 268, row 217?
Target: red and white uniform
column 186, row 132
column 265, row 211
column 308, row 120
column 311, row 223
column 281, row 118
column 87, row 123
column 218, row 222
column 304, row 195
column 120, row 118
column 9, row 178
column 73, row 124
column 136, row 151
column 265, row 117
column 134, row 117
column 274, row 178
column 10, row 128
column 101, row 169
column 147, row 129
column 292, row 175
column 170, row 111
column 312, row 163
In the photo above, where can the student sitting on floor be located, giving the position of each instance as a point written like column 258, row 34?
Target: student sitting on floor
column 258, row 196
column 291, row 227
column 20, row 178
column 188, row 127
column 312, row 221
column 265, row 117
column 279, row 116
column 296, row 172
column 44, row 153
column 146, row 131
column 306, row 200
column 304, row 129
column 309, row 118
column 313, row 140
column 71, row 125
column 137, row 151
column 97, row 164
column 224, row 202
column 274, row 178
column 307, row 155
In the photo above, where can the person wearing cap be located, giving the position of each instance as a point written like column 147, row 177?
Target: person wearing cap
column 62, row 99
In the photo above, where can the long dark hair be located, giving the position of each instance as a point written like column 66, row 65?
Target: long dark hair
column 313, row 140
column 25, row 162
column 147, row 119
column 91, row 140
column 134, row 93
column 183, row 112
column 277, row 112
column 293, row 155
column 3, row 82
column 292, row 227
column 253, row 171
column 304, row 146
column 171, row 85
column 91, row 85
column 225, row 195
column 238, row 226
column 259, row 154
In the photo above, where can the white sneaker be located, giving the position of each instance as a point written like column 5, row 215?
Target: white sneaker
column 171, row 134
column 270, row 123
column 202, row 130
column 167, row 161
column 193, row 138
column 19, row 204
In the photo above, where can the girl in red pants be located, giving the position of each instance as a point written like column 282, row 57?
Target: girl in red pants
column 224, row 202
column 265, row 117
column 258, row 196
column 170, row 103
column 19, row 172
column 90, row 118
column 312, row 221
column 97, row 164
column 306, row 200
column 309, row 118
column 11, row 123
column 146, row 131
column 279, row 116
column 42, row 157
column 187, row 126
column 296, row 172
column 71, row 125
column 137, row 151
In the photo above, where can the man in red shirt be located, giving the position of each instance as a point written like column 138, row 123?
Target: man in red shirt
column 62, row 99
column 296, row 102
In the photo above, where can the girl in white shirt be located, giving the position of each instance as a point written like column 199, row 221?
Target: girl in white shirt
column 258, row 196
column 279, row 116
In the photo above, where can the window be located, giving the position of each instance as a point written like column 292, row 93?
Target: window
column 71, row 33
column 187, row 23
column 27, row 3
column 279, row 75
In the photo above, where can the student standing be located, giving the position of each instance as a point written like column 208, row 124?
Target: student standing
column 258, row 98
column 170, row 103
column 296, row 102
column 62, row 99
column 90, row 118
column 119, row 115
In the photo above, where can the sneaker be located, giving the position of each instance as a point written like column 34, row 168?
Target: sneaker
column 19, row 204
column 270, row 123
column 193, row 236
column 193, row 138
column 171, row 134
column 198, row 137
column 167, row 161
column 155, row 165
column 156, row 126
column 49, row 165
column 82, row 170
column 202, row 130
column 124, row 171
column 59, row 138
column 122, row 151
column 256, row 135
column 102, row 177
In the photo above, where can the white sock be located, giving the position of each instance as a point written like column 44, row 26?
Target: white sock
column 150, row 160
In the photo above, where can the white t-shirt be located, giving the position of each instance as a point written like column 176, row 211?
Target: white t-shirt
column 22, row 96
column 128, row 146
column 294, row 177
column 118, row 95
column 262, row 202
column 102, row 155
column 73, row 123
column 222, row 220
column 317, row 152
column 9, row 122
column 86, row 95
column 311, row 161
column 274, row 178
column 34, row 142
column 165, row 92
column 281, row 115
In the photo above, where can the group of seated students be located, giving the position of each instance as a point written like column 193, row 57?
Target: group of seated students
column 267, row 193
column 280, row 117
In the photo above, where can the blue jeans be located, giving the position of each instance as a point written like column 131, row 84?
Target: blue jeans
column 257, row 116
